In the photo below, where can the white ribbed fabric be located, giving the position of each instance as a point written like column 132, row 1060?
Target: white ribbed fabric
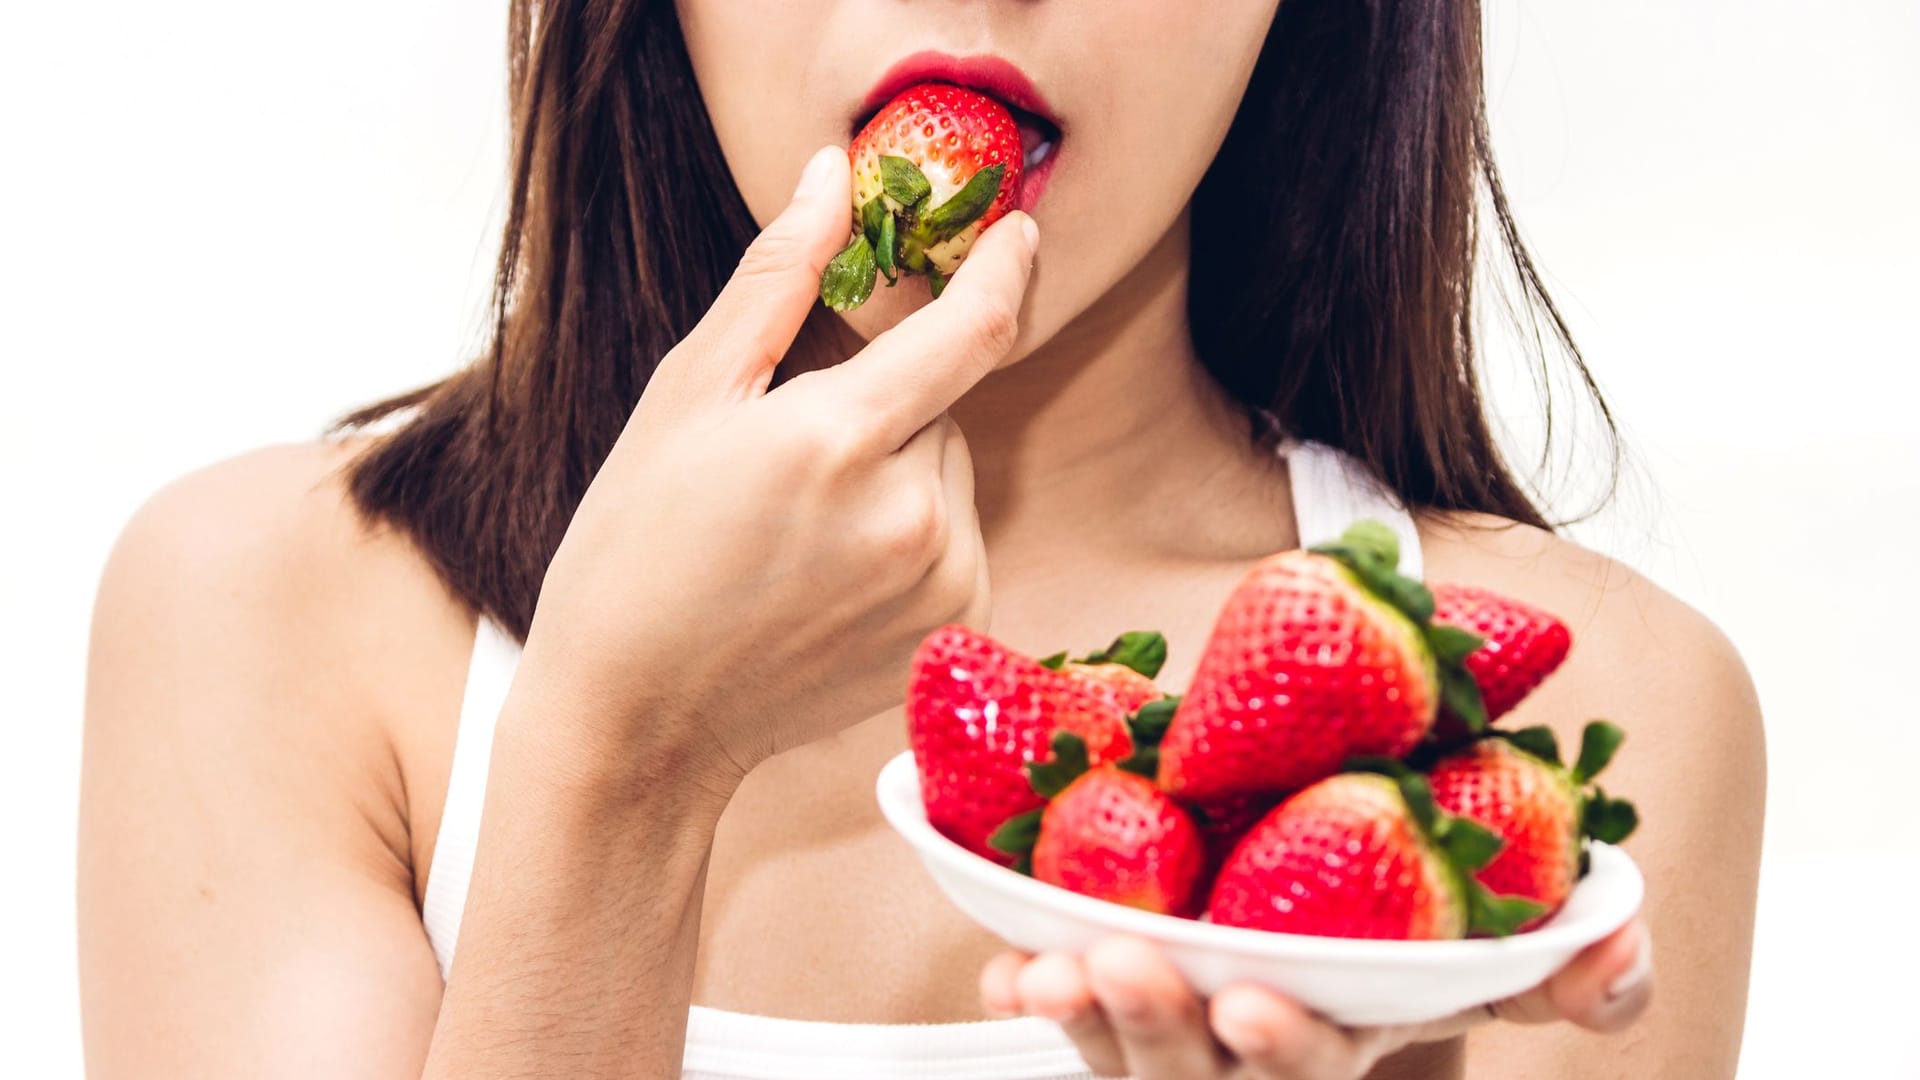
column 489, row 672
column 1330, row 492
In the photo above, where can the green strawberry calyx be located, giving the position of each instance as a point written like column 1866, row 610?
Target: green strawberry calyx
column 898, row 226
column 1465, row 846
column 1601, row 817
column 1070, row 761
column 1017, row 835
column 1372, row 552
column 1145, row 651
column 1146, row 727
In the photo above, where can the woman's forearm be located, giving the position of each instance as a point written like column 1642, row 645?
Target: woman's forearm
column 577, row 947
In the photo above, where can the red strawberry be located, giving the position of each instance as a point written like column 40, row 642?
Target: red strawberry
column 1110, row 834
column 1317, row 657
column 1515, row 786
column 977, row 712
column 932, row 169
column 1362, row 856
column 1224, row 822
column 1123, row 670
column 1523, row 644
column 1128, row 688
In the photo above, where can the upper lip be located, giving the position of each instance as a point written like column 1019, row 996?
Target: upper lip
column 991, row 75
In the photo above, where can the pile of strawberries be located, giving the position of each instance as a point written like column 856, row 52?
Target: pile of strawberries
column 1331, row 770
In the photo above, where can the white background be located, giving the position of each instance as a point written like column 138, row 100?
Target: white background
column 227, row 222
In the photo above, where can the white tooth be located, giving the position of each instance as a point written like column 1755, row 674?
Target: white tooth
column 1040, row 150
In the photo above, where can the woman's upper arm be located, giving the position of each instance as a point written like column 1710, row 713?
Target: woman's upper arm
column 1694, row 764
column 245, row 893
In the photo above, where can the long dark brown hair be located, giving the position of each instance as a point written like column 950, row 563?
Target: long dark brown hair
column 1334, row 242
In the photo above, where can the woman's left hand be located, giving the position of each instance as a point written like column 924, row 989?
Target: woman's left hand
column 1131, row 1014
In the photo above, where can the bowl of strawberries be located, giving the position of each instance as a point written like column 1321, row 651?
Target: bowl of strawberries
column 1329, row 810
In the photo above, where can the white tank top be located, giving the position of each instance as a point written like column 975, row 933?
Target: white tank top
column 1330, row 492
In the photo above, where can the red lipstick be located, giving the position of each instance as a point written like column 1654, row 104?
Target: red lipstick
column 988, row 74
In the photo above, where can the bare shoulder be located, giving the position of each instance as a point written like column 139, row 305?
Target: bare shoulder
column 271, row 691
column 272, row 524
column 1694, row 763
column 272, row 536
column 1633, row 638
column 251, row 608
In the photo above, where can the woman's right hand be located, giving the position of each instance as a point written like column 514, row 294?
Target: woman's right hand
column 751, row 569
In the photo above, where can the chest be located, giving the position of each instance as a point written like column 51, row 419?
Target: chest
column 815, row 909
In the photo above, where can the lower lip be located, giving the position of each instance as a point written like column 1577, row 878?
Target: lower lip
column 1034, row 181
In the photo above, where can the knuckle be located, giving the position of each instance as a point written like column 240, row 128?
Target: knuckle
column 914, row 531
column 828, row 440
column 957, row 591
column 938, row 519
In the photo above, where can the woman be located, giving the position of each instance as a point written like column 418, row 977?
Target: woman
column 719, row 518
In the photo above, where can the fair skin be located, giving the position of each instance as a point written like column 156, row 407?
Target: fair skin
column 679, row 809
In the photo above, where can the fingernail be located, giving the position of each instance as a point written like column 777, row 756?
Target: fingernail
column 1031, row 231
column 1636, row 976
column 814, row 176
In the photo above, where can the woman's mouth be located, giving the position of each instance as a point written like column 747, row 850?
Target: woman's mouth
column 1000, row 79
column 1040, row 145
column 1038, row 137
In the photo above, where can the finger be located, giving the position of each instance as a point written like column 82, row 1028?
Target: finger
column 1157, row 1017
column 1569, row 989
column 1054, row 986
column 922, row 459
column 916, row 512
column 731, row 353
column 1605, row 988
column 954, row 585
column 912, row 372
column 999, row 992
column 956, row 465
column 1276, row 1039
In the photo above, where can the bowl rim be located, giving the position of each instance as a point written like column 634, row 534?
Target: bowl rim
column 898, row 791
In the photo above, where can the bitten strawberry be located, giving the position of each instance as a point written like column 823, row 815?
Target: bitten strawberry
column 932, row 169
column 1523, row 645
column 1317, row 657
column 1360, row 855
column 977, row 713
column 1107, row 833
column 1514, row 785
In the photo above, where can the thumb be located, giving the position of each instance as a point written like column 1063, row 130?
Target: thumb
column 1602, row 989
column 732, row 351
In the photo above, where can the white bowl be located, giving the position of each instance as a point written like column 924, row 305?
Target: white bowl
column 1353, row 982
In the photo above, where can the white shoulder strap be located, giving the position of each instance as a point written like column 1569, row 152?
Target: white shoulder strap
column 489, row 673
column 1331, row 491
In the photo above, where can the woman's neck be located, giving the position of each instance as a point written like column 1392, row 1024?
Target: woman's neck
column 1112, row 438
column 1114, row 433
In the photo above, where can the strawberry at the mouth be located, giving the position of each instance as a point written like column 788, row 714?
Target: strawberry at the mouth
column 932, row 169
